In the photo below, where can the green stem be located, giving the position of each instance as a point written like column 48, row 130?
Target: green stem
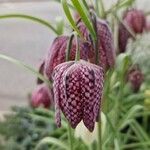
column 97, row 8
column 77, row 48
column 70, row 137
column 35, row 19
column 96, row 42
column 69, row 47
column 99, row 134
column 102, row 12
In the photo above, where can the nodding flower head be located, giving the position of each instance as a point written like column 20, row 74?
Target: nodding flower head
column 41, row 96
column 57, row 53
column 135, row 77
column 78, row 90
column 123, row 36
column 136, row 21
column 106, row 51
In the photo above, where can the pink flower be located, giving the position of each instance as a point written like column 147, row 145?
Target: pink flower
column 136, row 21
column 123, row 37
column 106, row 49
column 57, row 53
column 41, row 96
column 77, row 91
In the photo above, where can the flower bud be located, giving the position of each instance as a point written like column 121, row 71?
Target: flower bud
column 135, row 77
column 78, row 89
column 41, row 96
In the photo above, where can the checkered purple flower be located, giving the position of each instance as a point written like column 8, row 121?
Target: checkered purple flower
column 135, row 77
column 106, row 49
column 136, row 21
column 77, row 91
column 57, row 53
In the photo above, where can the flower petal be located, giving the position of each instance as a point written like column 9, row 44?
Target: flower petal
column 72, row 104
column 58, row 71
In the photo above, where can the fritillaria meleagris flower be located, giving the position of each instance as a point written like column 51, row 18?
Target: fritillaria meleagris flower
column 78, row 89
column 136, row 21
column 57, row 53
column 41, row 96
column 123, row 37
column 106, row 50
column 135, row 77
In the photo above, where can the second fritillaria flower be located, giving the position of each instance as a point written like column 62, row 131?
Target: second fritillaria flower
column 136, row 21
column 41, row 96
column 106, row 50
column 78, row 90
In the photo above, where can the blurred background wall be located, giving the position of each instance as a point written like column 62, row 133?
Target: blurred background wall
column 26, row 41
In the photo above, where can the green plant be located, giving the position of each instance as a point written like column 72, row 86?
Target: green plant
column 126, row 115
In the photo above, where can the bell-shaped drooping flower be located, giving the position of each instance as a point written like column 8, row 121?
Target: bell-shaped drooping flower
column 123, row 37
column 57, row 53
column 105, row 47
column 136, row 21
column 41, row 96
column 135, row 77
column 77, row 91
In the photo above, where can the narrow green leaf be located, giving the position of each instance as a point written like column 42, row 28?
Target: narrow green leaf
column 85, row 16
column 69, row 5
column 126, row 3
column 129, row 115
column 116, row 143
column 35, row 19
column 140, row 133
column 25, row 66
column 140, row 130
column 101, row 8
column 136, row 145
column 60, row 25
column 69, row 17
column 54, row 141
